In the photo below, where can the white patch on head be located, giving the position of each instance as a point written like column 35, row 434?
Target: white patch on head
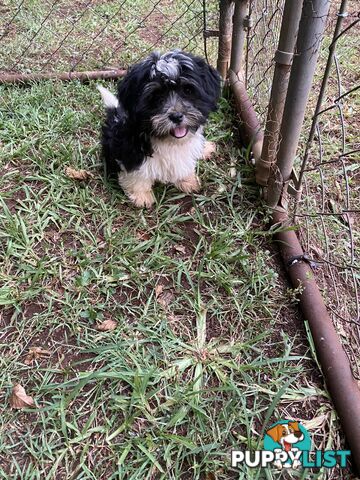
column 169, row 65
column 109, row 99
column 172, row 161
column 169, row 68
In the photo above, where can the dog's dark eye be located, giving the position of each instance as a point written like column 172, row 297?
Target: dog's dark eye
column 188, row 89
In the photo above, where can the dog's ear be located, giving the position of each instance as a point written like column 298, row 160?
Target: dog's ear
column 275, row 433
column 295, row 426
column 131, row 87
column 210, row 79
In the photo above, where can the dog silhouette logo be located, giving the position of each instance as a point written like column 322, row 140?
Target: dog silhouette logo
column 287, row 444
column 289, row 437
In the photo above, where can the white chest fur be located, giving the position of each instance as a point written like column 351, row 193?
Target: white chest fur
column 173, row 158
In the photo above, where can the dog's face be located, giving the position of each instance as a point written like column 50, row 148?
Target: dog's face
column 286, row 434
column 170, row 95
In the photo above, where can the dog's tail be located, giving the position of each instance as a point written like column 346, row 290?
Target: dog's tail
column 109, row 99
column 114, row 130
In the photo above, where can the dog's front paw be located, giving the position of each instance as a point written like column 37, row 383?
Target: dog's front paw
column 209, row 149
column 189, row 184
column 143, row 199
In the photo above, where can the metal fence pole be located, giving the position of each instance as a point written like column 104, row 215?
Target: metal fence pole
column 113, row 74
column 225, row 35
column 238, row 38
column 311, row 29
column 283, row 60
column 343, row 388
column 332, row 47
column 250, row 123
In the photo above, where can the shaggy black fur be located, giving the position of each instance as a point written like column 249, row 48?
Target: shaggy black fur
column 143, row 93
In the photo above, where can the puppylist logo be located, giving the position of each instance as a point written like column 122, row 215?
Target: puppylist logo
column 287, row 444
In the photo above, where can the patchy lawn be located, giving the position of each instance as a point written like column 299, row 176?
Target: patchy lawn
column 207, row 349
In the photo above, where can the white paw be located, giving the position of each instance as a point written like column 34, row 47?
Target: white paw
column 209, row 149
column 142, row 199
column 189, row 184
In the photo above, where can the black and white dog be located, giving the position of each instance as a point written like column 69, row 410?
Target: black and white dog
column 154, row 126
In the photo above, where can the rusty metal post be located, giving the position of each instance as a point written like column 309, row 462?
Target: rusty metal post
column 225, row 35
column 250, row 123
column 283, row 60
column 63, row 76
column 239, row 35
column 340, row 382
column 311, row 29
column 340, row 19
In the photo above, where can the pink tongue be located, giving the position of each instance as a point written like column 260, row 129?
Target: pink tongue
column 287, row 446
column 179, row 132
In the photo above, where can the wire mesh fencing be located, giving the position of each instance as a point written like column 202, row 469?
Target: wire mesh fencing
column 328, row 211
column 63, row 35
column 326, row 167
column 262, row 36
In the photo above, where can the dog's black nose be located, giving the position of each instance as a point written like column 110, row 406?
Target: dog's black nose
column 176, row 117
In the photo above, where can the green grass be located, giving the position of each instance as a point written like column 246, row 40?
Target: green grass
column 208, row 349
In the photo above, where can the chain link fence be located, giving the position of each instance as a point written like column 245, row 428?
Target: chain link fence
column 263, row 28
column 327, row 168
column 67, row 36
column 328, row 212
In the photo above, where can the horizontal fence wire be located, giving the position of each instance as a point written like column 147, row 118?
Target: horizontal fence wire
column 67, row 36
column 328, row 212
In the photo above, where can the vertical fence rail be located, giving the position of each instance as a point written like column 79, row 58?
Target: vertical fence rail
column 311, row 29
column 283, row 60
column 225, row 36
column 250, row 123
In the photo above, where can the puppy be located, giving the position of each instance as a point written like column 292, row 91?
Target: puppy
column 154, row 126
column 287, row 435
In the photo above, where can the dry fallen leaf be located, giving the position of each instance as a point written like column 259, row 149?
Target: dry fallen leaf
column 77, row 174
column 315, row 422
column 180, row 248
column 158, row 290
column 210, row 476
column 165, row 298
column 34, row 354
column 107, row 326
column 19, row 399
